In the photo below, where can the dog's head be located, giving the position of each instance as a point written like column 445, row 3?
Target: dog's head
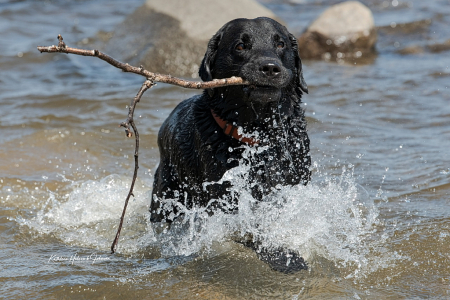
column 260, row 51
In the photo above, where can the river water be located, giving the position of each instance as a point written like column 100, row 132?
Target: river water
column 373, row 224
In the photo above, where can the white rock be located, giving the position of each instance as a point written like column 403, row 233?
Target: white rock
column 344, row 30
column 343, row 19
column 201, row 19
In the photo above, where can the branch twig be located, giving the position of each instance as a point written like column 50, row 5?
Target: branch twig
column 151, row 79
column 130, row 122
column 155, row 77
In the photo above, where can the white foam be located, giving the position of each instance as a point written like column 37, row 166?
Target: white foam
column 89, row 215
column 333, row 219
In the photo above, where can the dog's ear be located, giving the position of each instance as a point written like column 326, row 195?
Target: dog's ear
column 205, row 70
column 298, row 64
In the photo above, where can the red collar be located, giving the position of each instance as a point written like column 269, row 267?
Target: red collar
column 232, row 130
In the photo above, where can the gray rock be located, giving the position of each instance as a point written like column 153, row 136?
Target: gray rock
column 344, row 30
column 170, row 36
column 201, row 19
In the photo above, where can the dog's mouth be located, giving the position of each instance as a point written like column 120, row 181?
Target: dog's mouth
column 262, row 93
column 253, row 87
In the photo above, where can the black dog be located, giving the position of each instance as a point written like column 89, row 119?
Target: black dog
column 195, row 141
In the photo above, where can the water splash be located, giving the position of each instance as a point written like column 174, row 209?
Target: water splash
column 334, row 219
column 88, row 216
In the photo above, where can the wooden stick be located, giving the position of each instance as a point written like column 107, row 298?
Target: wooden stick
column 130, row 122
column 155, row 77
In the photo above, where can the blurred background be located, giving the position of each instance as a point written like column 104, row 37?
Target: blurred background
column 381, row 119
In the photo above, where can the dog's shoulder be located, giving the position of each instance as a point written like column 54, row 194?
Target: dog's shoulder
column 178, row 128
column 180, row 116
column 184, row 134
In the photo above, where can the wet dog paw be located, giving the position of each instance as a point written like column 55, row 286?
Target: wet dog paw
column 282, row 260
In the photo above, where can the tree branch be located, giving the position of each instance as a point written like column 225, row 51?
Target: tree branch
column 130, row 122
column 155, row 77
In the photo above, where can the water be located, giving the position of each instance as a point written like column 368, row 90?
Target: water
column 374, row 222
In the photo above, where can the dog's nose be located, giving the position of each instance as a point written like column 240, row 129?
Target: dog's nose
column 270, row 69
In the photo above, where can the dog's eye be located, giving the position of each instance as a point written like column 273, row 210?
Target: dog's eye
column 240, row 47
column 280, row 44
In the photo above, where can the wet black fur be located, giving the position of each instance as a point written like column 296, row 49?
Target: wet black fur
column 195, row 150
